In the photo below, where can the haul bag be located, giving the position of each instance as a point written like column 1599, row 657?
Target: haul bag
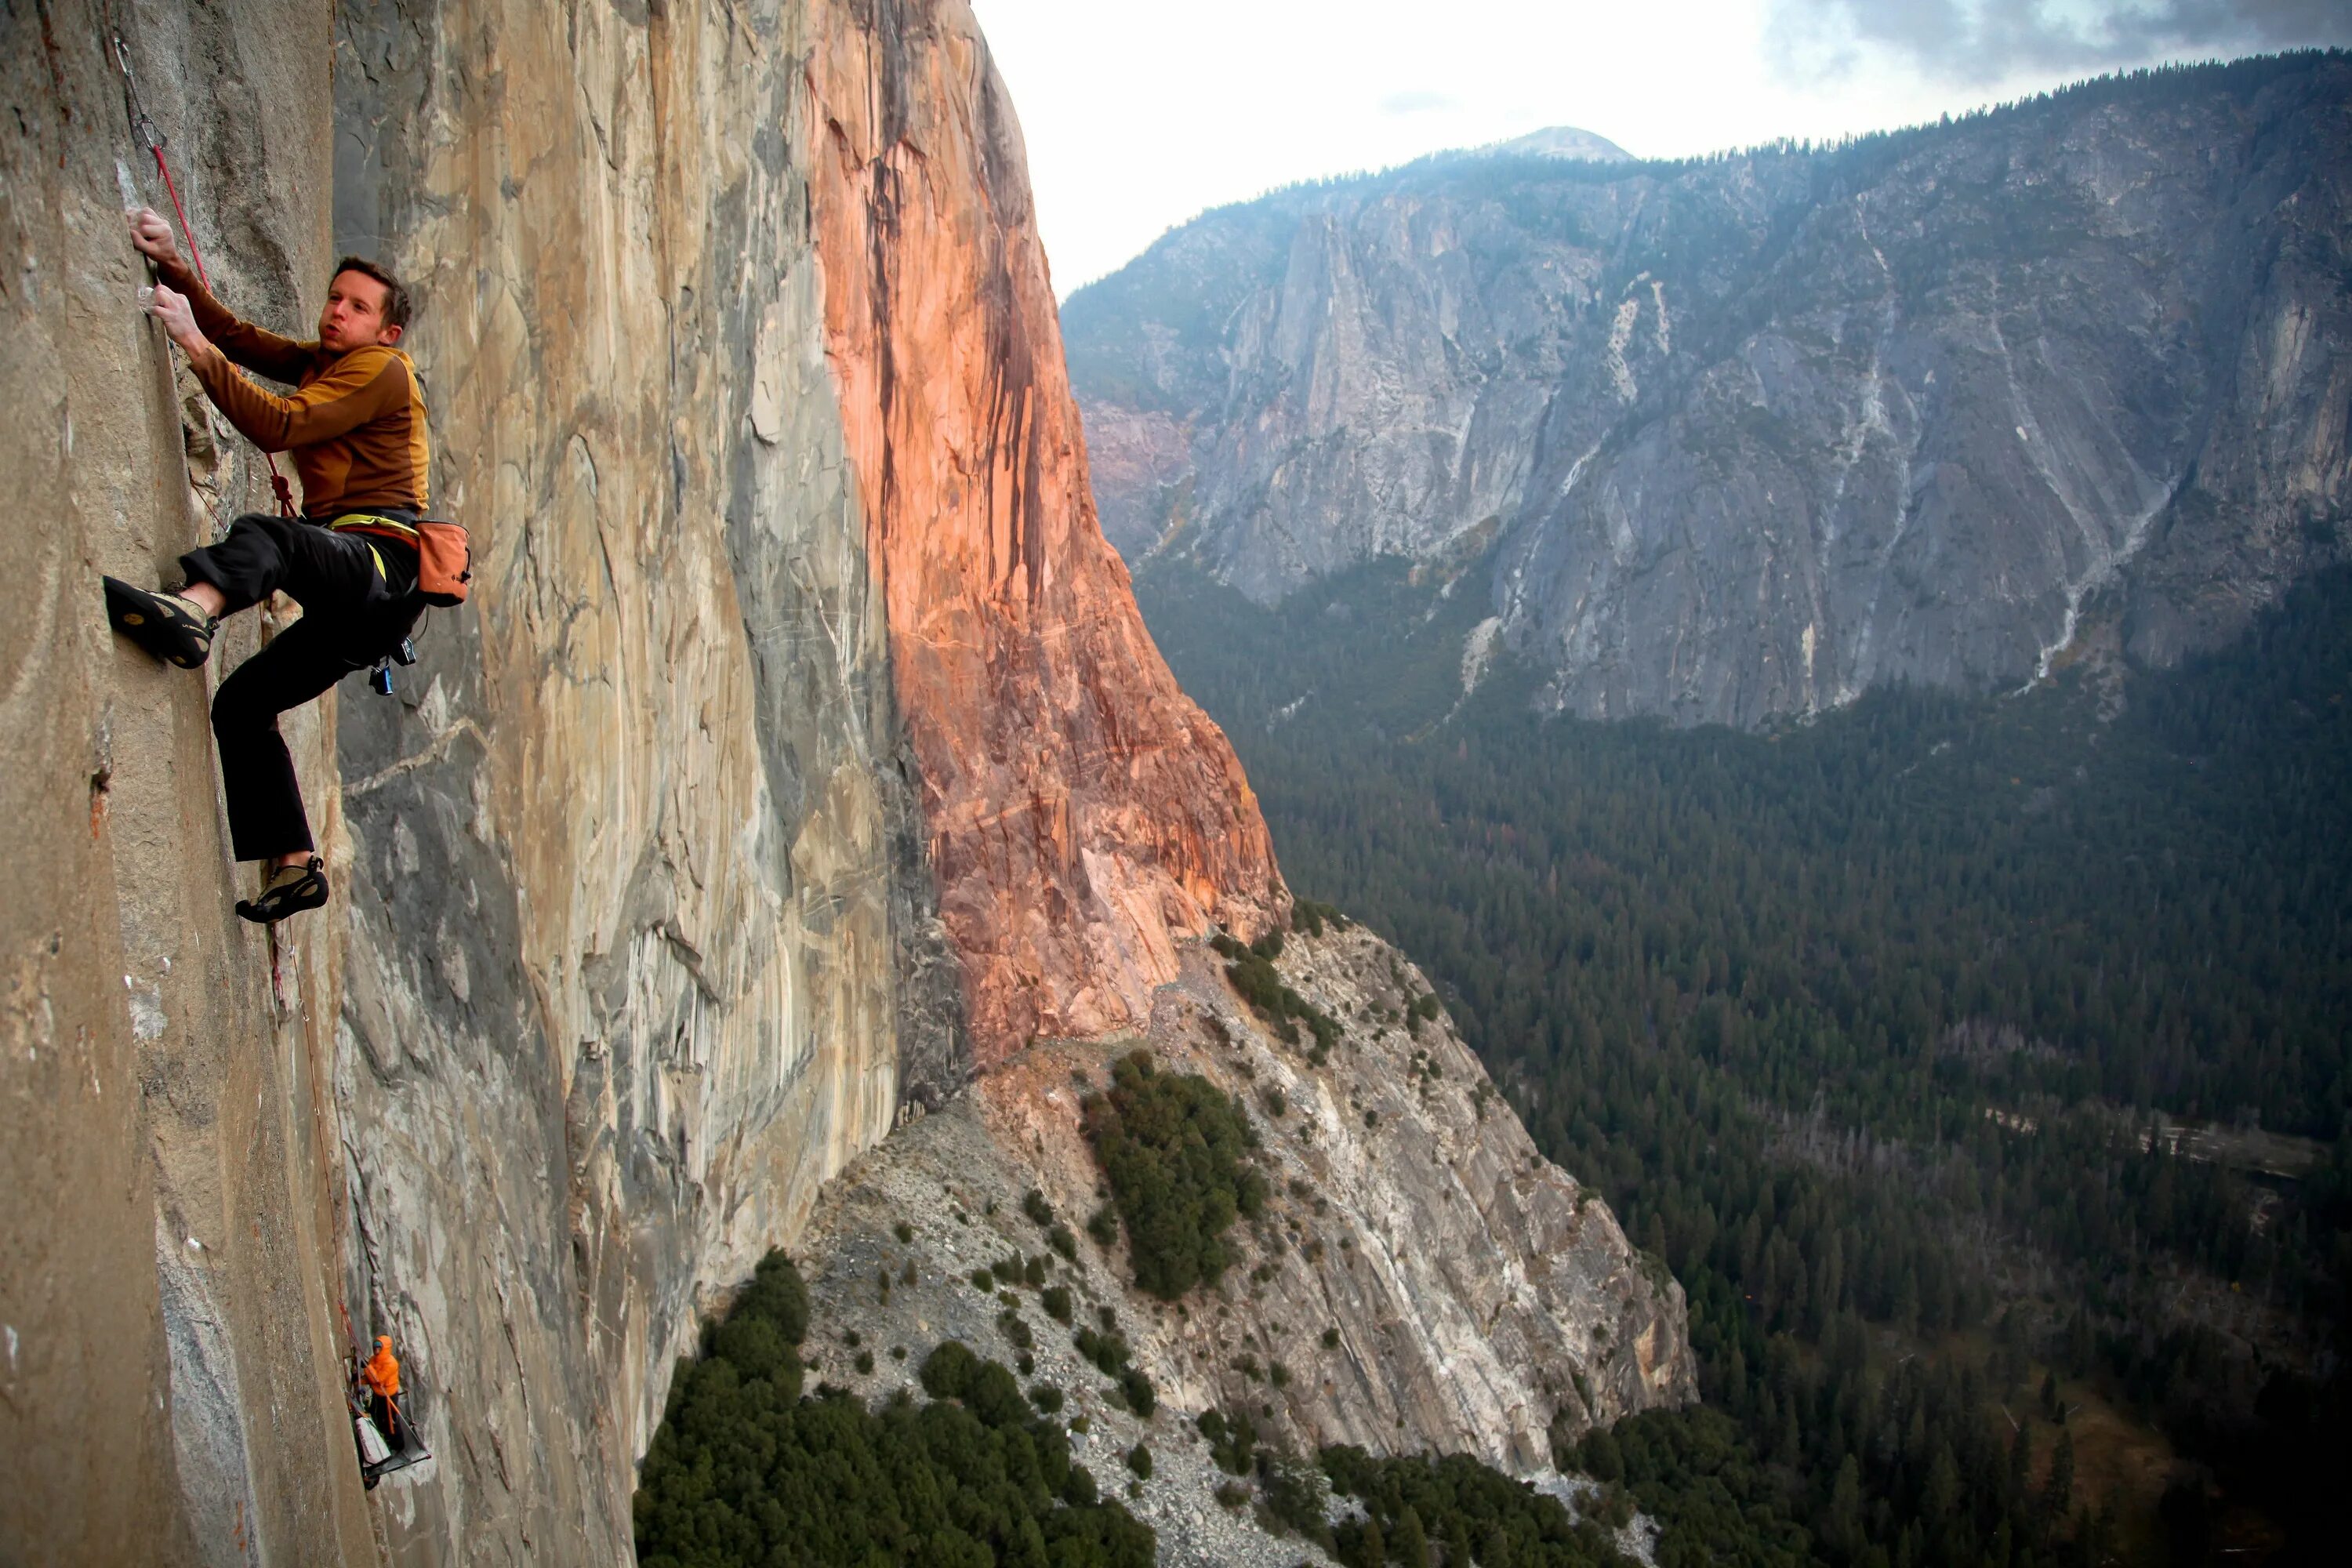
column 374, row 1450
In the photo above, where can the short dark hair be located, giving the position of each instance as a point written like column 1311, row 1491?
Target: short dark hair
column 395, row 300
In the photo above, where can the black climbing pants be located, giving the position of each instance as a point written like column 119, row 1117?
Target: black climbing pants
column 387, row 1415
column 358, row 595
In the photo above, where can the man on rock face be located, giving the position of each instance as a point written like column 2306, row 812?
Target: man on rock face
column 355, row 426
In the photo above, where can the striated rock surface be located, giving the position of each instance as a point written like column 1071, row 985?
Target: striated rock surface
column 1479, row 1296
column 1760, row 432
column 1081, row 810
column 641, row 947
column 805, row 743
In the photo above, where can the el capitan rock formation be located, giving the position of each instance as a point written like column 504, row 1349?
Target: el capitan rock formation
column 800, row 750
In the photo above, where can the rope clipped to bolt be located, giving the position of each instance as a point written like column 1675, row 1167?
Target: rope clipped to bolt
column 151, row 137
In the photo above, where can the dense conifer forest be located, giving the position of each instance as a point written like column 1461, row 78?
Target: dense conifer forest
column 745, row 1472
column 1976, row 1065
column 1979, row 1065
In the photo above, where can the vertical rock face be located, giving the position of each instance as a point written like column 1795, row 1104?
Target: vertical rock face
column 641, row 951
column 804, row 744
column 801, row 745
column 1080, row 809
column 1760, row 432
column 168, row 1380
column 802, row 748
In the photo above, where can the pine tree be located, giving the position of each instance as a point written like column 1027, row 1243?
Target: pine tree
column 1842, row 1527
column 2060, row 1491
column 1942, row 1493
column 1412, row 1547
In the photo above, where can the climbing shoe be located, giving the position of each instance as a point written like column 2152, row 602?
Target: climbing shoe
column 290, row 890
column 166, row 625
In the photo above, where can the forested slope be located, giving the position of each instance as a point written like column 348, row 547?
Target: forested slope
column 1881, row 1029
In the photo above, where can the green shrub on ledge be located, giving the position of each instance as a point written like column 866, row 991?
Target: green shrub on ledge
column 1176, row 1151
column 1250, row 972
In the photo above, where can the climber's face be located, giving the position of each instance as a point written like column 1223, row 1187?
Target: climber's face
column 354, row 315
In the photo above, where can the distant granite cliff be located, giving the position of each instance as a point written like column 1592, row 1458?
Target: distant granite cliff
column 1751, row 434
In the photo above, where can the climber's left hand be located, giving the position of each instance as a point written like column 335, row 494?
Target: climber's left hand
column 152, row 236
column 171, row 308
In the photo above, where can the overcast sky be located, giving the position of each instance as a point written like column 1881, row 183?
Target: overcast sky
column 1139, row 116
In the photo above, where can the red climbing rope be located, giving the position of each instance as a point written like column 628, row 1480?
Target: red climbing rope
column 153, row 136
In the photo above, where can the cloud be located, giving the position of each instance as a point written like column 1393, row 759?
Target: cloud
column 1419, row 102
column 1978, row 42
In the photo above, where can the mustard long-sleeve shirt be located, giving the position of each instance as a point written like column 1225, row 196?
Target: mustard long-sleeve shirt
column 355, row 425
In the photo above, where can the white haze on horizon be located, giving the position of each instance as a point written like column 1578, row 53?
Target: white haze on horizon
column 1139, row 118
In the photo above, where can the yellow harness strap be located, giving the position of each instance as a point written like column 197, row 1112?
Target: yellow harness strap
column 370, row 520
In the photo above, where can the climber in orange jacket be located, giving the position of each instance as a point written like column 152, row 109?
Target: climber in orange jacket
column 355, row 426
column 380, row 1373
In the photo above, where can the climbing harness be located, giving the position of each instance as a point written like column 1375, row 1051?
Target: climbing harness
column 151, row 137
column 444, row 567
column 444, row 559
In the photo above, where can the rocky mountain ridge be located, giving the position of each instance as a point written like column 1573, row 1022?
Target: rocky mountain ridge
column 1756, row 433
column 1422, row 1280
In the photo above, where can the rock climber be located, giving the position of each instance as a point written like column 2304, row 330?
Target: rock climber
column 355, row 426
column 381, row 1374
